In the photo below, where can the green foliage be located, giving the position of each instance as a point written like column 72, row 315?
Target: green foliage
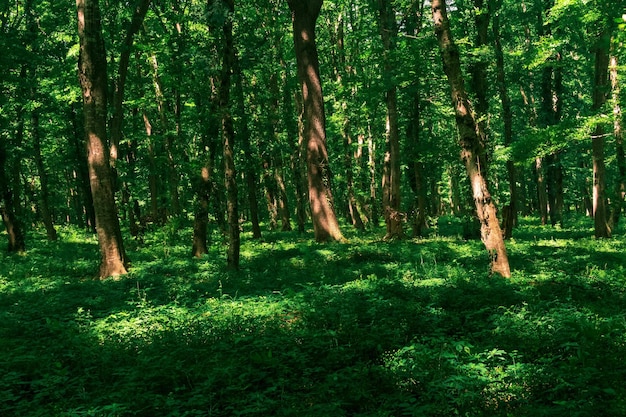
column 365, row 328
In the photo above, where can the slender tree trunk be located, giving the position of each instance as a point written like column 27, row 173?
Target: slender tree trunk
column 93, row 80
column 141, row 8
column 44, row 205
column 228, row 137
column 391, row 167
column 172, row 171
column 277, row 156
column 620, row 186
column 478, row 79
column 542, row 195
column 77, row 143
column 353, row 211
column 509, row 214
column 471, row 146
column 13, row 225
column 249, row 168
column 304, row 16
column 371, row 163
column 600, row 84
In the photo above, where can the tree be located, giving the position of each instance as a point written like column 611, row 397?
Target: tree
column 12, row 223
column 391, row 168
column 304, row 16
column 228, row 138
column 93, row 80
column 471, row 145
column 600, row 84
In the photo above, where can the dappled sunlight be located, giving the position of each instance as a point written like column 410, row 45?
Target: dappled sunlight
column 414, row 327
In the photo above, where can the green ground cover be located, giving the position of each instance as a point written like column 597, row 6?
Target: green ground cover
column 364, row 328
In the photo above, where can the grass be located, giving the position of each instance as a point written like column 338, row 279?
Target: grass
column 365, row 328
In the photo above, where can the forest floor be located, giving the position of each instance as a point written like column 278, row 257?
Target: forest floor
column 364, row 328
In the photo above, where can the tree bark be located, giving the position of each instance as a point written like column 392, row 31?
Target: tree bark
column 93, row 80
column 471, row 145
column 304, row 15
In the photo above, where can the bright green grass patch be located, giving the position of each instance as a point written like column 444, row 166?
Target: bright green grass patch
column 364, row 328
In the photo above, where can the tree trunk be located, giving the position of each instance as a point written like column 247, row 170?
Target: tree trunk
column 13, row 225
column 141, row 8
column 93, row 80
column 471, row 145
column 542, row 196
column 620, row 186
column 249, row 168
column 44, row 205
column 600, row 84
column 276, row 157
column 228, row 137
column 391, row 167
column 172, row 171
column 77, row 143
column 510, row 211
column 304, row 16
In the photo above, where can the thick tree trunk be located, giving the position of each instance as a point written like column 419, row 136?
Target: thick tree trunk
column 304, row 16
column 471, row 145
column 600, row 84
column 93, row 80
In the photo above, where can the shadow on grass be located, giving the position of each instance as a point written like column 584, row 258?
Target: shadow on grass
column 362, row 329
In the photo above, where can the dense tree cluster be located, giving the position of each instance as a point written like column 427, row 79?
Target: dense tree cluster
column 263, row 114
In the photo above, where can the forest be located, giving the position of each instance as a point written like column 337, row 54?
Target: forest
column 315, row 208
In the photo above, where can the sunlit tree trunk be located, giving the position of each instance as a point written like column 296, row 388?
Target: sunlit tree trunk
column 93, row 80
column 471, row 145
column 600, row 84
column 304, row 16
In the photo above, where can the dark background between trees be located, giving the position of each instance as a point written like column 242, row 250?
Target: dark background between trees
column 204, row 119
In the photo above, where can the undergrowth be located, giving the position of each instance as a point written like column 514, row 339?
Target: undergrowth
column 364, row 328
